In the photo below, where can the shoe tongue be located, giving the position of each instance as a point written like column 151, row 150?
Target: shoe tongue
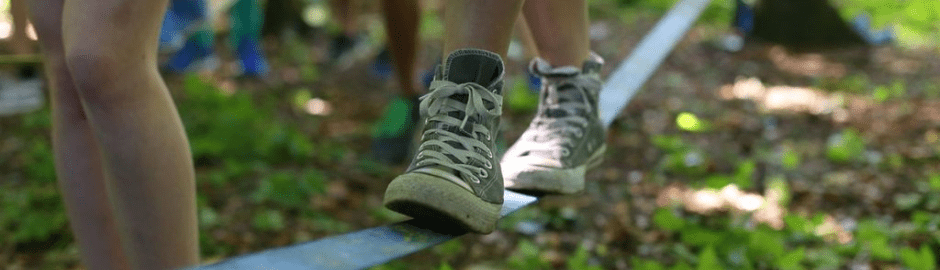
column 473, row 65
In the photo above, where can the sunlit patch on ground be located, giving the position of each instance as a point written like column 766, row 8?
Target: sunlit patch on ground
column 729, row 198
column 764, row 209
column 317, row 106
column 810, row 64
column 6, row 29
column 789, row 99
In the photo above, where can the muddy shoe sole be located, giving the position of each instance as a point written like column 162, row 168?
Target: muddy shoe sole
column 538, row 179
column 440, row 204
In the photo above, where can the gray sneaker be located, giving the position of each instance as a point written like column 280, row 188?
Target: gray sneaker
column 454, row 180
column 566, row 135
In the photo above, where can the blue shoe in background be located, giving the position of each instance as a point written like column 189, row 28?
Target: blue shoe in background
column 252, row 58
column 393, row 133
column 428, row 76
column 382, row 65
column 743, row 17
column 182, row 18
column 535, row 83
column 862, row 26
column 192, row 57
column 171, row 33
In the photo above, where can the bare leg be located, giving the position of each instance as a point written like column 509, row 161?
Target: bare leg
column 560, row 29
column 20, row 42
column 401, row 23
column 346, row 12
column 78, row 162
column 480, row 24
column 145, row 154
column 524, row 34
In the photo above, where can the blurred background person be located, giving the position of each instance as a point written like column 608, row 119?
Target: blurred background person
column 188, row 34
column 20, row 85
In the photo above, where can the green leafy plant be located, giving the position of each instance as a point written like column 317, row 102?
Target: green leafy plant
column 642, row 264
column 875, row 238
column 707, row 259
column 289, row 190
column 919, row 260
column 222, row 126
column 32, row 212
column 789, row 158
column 268, row 220
column 527, row 256
column 913, row 21
column 680, row 157
column 445, row 266
column 520, row 98
column 581, row 260
column 845, row 146
column 668, row 220
column 792, row 259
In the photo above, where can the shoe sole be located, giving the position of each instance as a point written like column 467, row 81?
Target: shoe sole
column 547, row 180
column 440, row 203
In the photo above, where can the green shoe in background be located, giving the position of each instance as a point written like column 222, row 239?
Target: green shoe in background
column 392, row 134
column 566, row 136
column 454, row 181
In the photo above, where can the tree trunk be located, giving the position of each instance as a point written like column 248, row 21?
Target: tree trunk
column 284, row 14
column 803, row 25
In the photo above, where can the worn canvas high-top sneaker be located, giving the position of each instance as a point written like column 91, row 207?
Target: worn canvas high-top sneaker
column 566, row 135
column 454, row 179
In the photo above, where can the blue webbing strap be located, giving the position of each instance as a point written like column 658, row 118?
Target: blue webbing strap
column 355, row 250
column 369, row 247
column 630, row 76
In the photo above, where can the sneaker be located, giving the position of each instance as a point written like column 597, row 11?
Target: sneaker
column 565, row 137
column 253, row 62
column 193, row 57
column 382, row 65
column 182, row 18
column 454, row 180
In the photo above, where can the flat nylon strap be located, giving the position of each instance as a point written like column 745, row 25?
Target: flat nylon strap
column 356, row 250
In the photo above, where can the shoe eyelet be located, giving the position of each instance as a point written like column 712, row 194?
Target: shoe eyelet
column 565, row 152
column 488, row 164
column 482, row 173
column 489, row 154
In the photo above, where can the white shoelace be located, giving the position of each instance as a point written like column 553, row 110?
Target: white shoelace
column 443, row 145
column 557, row 134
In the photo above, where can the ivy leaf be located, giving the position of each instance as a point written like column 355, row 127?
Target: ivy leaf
column 708, row 260
column 792, row 259
column 668, row 220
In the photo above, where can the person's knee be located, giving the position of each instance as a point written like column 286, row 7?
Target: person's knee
column 66, row 101
column 94, row 72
